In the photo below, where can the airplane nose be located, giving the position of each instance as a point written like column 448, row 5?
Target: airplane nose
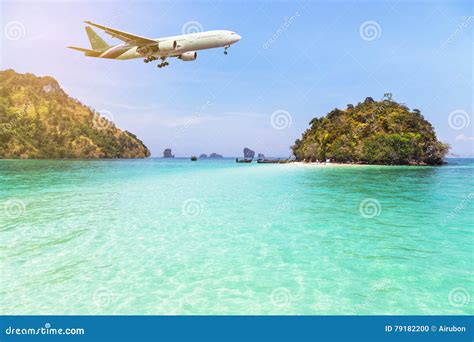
column 238, row 37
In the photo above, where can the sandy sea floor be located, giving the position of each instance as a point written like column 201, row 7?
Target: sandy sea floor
column 217, row 237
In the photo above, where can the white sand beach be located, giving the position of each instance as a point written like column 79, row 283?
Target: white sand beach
column 306, row 164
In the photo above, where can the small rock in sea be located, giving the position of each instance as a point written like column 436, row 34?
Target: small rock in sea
column 248, row 153
column 167, row 153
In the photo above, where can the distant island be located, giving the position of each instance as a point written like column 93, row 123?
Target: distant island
column 372, row 132
column 211, row 156
column 249, row 153
column 39, row 120
column 167, row 153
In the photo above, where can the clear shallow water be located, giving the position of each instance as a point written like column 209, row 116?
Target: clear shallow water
column 215, row 237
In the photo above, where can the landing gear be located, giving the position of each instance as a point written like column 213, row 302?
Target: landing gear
column 153, row 58
column 150, row 59
column 225, row 49
column 163, row 63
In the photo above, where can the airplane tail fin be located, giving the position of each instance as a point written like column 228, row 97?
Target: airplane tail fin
column 87, row 52
column 97, row 43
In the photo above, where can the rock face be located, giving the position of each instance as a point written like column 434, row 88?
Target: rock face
column 248, row 153
column 203, row 156
column 39, row 120
column 261, row 156
column 167, row 153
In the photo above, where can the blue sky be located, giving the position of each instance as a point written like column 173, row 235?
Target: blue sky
column 299, row 59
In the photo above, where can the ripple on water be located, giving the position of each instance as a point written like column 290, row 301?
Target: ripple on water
column 115, row 237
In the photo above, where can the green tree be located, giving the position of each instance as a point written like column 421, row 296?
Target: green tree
column 39, row 120
column 374, row 132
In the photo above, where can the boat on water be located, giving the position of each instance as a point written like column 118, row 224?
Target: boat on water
column 268, row 161
column 194, row 158
column 273, row 161
column 243, row 160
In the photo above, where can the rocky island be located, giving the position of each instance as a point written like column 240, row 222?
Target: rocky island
column 211, row 156
column 248, row 153
column 372, row 132
column 39, row 120
column 167, row 153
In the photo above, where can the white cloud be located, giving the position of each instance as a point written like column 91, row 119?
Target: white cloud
column 149, row 116
column 185, row 120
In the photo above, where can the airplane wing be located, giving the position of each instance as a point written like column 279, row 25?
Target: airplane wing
column 128, row 38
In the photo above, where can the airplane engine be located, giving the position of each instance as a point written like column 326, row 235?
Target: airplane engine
column 167, row 45
column 188, row 56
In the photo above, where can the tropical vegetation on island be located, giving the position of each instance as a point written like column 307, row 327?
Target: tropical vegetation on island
column 39, row 120
column 372, row 132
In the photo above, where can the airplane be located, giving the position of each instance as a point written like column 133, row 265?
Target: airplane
column 183, row 47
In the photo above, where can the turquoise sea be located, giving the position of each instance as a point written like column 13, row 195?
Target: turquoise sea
column 215, row 237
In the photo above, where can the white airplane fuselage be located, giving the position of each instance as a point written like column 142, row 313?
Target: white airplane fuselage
column 183, row 47
column 183, row 44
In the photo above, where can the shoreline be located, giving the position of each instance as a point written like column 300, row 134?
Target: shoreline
column 314, row 164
